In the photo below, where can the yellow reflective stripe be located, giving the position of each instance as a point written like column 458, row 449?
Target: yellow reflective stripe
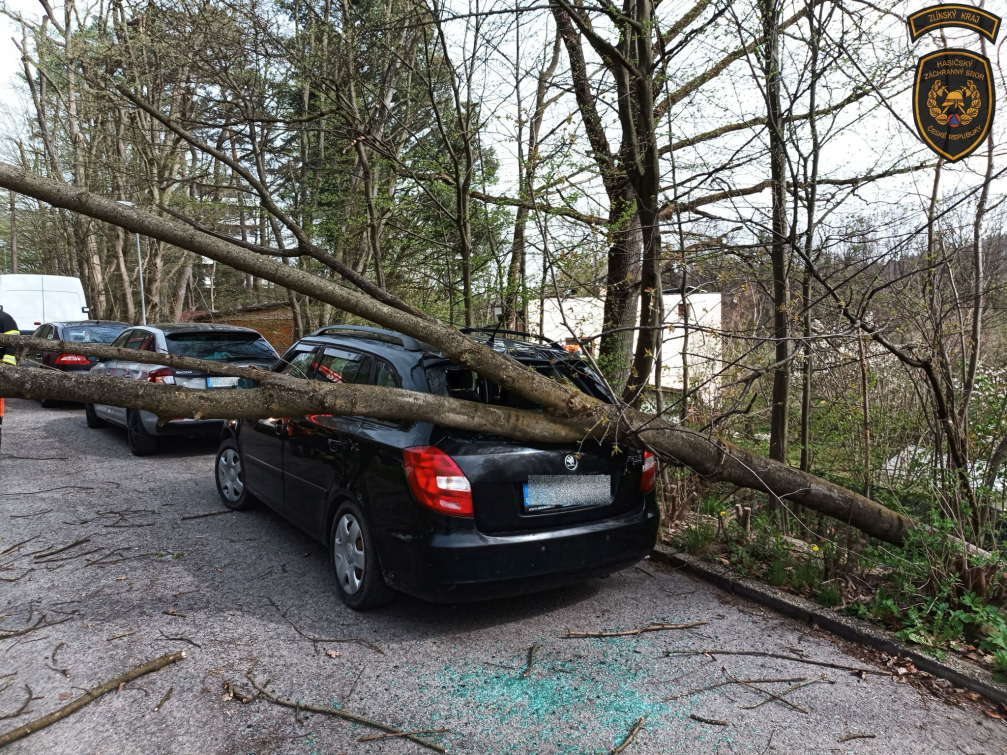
column 9, row 359
column 13, row 333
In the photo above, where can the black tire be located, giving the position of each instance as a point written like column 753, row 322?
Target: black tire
column 93, row 420
column 230, row 477
column 355, row 561
column 141, row 443
column 48, row 403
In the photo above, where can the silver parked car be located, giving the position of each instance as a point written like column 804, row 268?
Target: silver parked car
column 220, row 343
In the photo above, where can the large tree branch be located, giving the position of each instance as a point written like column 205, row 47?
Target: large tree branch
column 569, row 413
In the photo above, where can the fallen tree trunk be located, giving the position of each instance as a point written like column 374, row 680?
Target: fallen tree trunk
column 283, row 396
column 567, row 410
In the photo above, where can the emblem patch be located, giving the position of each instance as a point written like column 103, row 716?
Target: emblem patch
column 953, row 101
column 570, row 462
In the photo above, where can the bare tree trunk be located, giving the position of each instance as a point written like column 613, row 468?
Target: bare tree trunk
column 13, row 236
column 780, row 413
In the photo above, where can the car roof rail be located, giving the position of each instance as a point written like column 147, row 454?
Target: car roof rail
column 374, row 334
column 502, row 332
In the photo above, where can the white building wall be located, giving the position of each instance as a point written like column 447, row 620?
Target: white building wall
column 582, row 318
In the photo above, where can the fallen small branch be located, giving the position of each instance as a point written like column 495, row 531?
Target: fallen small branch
column 771, row 695
column 203, row 516
column 788, row 691
column 40, row 624
column 299, row 706
column 89, row 697
column 375, row 737
column 28, row 516
column 20, row 711
column 120, row 636
column 531, row 660
column 166, row 698
column 711, row 721
column 17, row 578
column 180, row 639
column 46, row 553
column 52, row 664
column 735, row 681
column 14, row 547
column 318, row 640
column 851, row 737
column 630, row 737
column 634, row 632
column 47, row 490
column 781, row 656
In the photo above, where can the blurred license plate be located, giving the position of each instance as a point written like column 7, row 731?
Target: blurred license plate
column 543, row 492
column 222, row 382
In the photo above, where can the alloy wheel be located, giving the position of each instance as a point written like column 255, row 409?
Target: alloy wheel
column 348, row 553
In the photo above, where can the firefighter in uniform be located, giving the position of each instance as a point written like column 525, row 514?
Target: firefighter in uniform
column 9, row 328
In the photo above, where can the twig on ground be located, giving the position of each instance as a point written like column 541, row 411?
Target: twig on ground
column 781, row 656
column 15, row 579
column 789, row 690
column 850, row 737
column 630, row 737
column 181, row 639
column 375, row 737
column 318, row 640
column 46, row 553
column 204, row 516
column 338, row 713
column 52, row 661
column 772, row 695
column 88, row 697
column 47, row 490
column 120, row 636
column 14, row 547
column 40, row 624
column 101, row 562
column 20, row 711
column 531, row 660
column 712, row 721
column 735, row 681
column 634, row 632
column 67, row 558
column 166, row 698
column 232, row 691
column 28, row 516
column 353, row 686
column 35, row 458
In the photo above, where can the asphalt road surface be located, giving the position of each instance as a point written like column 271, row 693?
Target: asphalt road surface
column 247, row 591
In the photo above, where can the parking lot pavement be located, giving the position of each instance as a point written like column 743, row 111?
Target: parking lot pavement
column 141, row 577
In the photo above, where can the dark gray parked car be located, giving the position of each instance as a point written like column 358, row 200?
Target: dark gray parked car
column 221, row 343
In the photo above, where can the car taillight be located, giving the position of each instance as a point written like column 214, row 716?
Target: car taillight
column 71, row 359
column 161, row 375
column 648, row 475
column 437, row 482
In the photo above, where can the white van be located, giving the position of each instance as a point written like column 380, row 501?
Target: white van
column 34, row 299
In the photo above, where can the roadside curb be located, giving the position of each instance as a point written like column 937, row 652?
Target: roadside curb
column 960, row 673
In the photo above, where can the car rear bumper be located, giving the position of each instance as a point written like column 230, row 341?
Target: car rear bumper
column 180, row 426
column 466, row 565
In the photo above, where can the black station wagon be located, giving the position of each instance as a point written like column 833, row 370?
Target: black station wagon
column 440, row 513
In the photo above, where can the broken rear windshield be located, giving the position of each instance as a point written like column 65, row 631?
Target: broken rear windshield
column 452, row 380
column 220, row 346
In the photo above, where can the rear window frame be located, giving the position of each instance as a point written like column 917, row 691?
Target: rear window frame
column 237, row 336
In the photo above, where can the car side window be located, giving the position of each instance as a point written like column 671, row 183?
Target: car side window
column 148, row 343
column 338, row 366
column 137, row 339
column 42, row 332
column 299, row 366
column 120, row 341
column 385, row 376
